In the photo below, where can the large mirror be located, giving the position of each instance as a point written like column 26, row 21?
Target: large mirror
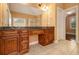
column 73, row 22
column 20, row 22
column 23, row 18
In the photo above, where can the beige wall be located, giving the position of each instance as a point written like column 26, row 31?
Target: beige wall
column 1, row 14
column 52, row 15
column 60, row 5
column 21, row 15
column 78, row 23
column 49, row 17
column 4, row 10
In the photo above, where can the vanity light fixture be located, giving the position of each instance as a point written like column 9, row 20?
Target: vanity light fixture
column 43, row 7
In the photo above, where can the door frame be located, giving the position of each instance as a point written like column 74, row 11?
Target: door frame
column 75, row 7
column 57, row 27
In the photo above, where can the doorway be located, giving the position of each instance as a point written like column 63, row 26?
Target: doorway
column 71, row 24
column 62, row 15
column 60, row 25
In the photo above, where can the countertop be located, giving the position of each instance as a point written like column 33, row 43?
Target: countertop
column 9, row 28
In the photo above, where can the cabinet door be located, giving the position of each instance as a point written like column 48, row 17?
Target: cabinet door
column 11, row 45
column 42, row 40
column 47, row 37
column 23, row 45
column 1, row 47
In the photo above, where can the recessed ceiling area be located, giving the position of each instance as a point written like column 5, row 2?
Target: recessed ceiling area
column 71, row 11
column 25, row 8
column 66, row 5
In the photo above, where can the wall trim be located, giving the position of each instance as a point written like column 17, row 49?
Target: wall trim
column 56, row 25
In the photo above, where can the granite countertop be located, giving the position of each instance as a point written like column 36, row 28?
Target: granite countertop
column 7, row 28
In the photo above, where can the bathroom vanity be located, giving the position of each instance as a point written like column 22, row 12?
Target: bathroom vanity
column 15, row 40
column 16, row 28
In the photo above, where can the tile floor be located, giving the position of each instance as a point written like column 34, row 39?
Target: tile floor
column 63, row 47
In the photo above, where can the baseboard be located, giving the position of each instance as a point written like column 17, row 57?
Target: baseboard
column 33, row 43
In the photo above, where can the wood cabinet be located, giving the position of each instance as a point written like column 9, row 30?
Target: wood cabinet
column 17, row 41
column 23, row 41
column 14, row 42
column 2, row 47
column 34, row 32
column 8, row 42
column 10, row 46
column 47, row 37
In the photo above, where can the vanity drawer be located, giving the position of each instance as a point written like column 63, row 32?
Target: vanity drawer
column 11, row 38
column 10, row 35
column 24, row 39
column 24, row 31
column 9, row 32
column 36, row 32
column 48, row 31
column 23, row 34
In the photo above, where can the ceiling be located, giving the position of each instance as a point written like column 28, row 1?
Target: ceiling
column 66, row 5
column 26, row 8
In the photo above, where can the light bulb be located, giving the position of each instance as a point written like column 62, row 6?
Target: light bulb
column 45, row 8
